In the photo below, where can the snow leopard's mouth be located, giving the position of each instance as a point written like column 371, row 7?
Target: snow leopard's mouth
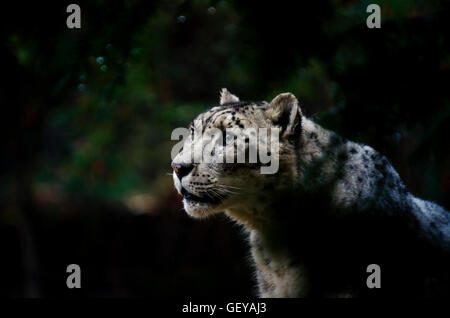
column 209, row 198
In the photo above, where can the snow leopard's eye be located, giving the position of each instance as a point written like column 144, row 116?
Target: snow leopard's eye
column 228, row 138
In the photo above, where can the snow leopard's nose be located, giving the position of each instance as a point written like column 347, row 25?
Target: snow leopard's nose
column 182, row 169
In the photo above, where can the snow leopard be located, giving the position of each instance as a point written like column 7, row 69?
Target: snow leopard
column 333, row 208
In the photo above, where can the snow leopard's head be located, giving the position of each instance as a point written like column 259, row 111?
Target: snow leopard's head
column 232, row 130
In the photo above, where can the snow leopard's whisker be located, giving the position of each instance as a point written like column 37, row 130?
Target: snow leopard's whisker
column 220, row 192
column 228, row 186
column 212, row 194
column 217, row 194
column 226, row 191
column 225, row 188
column 209, row 195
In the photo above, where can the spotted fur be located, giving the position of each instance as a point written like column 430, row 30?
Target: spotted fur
column 334, row 207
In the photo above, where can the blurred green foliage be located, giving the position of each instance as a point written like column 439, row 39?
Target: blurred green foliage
column 135, row 71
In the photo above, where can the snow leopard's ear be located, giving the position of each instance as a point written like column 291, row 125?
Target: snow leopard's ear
column 285, row 112
column 227, row 97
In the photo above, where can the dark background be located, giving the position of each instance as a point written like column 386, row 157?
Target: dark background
column 87, row 115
